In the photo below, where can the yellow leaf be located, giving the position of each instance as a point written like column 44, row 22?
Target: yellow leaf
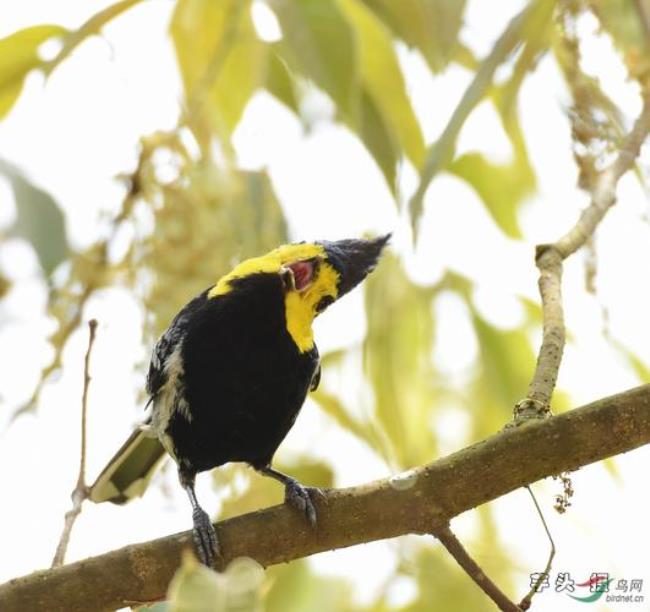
column 196, row 588
column 431, row 26
column 19, row 55
column 222, row 62
column 318, row 43
column 382, row 79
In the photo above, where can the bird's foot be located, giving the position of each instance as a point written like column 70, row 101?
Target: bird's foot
column 302, row 498
column 205, row 538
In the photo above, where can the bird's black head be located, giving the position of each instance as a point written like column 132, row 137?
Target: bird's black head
column 311, row 275
column 353, row 259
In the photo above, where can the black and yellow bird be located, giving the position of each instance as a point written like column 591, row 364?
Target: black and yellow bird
column 230, row 374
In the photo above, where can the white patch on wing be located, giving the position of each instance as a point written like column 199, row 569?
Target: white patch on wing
column 170, row 398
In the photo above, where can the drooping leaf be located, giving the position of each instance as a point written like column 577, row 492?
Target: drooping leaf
column 319, row 44
column 365, row 431
column 431, row 26
column 297, row 587
column 382, row 79
column 311, row 472
column 258, row 208
column 39, row 218
column 640, row 368
column 439, row 584
column 507, row 363
column 502, row 187
column 397, row 357
column 279, row 82
column 221, row 60
column 535, row 15
column 18, row 56
column 261, row 491
column 377, row 138
column 196, row 588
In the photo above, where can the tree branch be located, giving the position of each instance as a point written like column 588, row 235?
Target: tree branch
column 80, row 492
column 418, row 501
column 549, row 258
column 455, row 548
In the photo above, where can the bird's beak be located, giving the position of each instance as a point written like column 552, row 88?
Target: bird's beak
column 353, row 259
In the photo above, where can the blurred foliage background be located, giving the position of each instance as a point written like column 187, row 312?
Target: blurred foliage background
column 192, row 211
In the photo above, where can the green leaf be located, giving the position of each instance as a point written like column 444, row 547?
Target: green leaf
column 640, row 368
column 39, row 218
column 383, row 81
column 258, row 207
column 507, row 363
column 440, row 582
column 398, row 361
column 19, row 55
column 319, row 44
column 196, row 588
column 221, row 60
column 501, row 187
column 311, row 472
column 431, row 26
column 537, row 14
column 280, row 83
column 376, row 137
column 363, row 430
column 296, row 587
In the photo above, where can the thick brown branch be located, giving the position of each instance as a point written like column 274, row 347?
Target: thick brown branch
column 415, row 502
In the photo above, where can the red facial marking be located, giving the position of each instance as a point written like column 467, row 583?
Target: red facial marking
column 303, row 273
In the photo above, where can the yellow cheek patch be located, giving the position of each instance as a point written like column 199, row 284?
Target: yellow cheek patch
column 269, row 263
column 300, row 307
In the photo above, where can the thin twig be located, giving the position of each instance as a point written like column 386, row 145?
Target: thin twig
column 549, row 258
column 80, row 492
column 524, row 604
column 473, row 569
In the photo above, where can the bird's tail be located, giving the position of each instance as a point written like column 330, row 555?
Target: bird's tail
column 128, row 473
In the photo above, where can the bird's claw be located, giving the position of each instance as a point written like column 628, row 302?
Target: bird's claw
column 205, row 538
column 302, row 498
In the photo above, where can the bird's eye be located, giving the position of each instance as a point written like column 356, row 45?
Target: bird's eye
column 323, row 303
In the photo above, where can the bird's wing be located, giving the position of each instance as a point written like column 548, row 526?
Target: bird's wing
column 315, row 379
column 167, row 343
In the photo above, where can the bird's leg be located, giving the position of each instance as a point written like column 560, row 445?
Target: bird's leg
column 205, row 537
column 295, row 494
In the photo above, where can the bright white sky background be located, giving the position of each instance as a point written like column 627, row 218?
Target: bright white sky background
column 75, row 133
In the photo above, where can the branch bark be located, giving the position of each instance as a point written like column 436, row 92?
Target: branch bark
column 417, row 501
column 454, row 547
